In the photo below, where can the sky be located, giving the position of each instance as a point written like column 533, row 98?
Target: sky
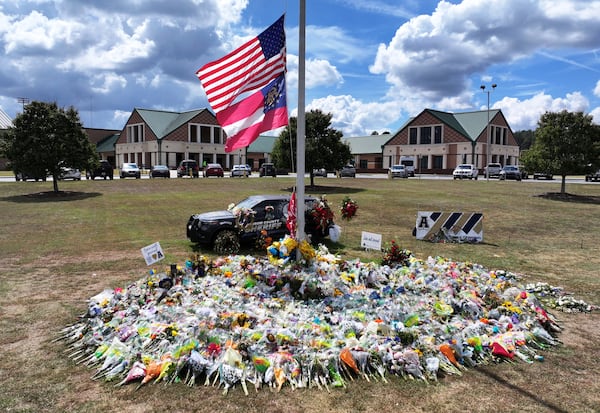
column 371, row 64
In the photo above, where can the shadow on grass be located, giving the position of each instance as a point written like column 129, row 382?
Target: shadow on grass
column 51, row 196
column 567, row 197
column 534, row 397
column 324, row 189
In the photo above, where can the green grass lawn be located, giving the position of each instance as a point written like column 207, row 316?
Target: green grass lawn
column 57, row 251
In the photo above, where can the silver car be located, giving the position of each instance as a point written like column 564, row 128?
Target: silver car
column 398, row 171
column 69, row 173
column 348, row 171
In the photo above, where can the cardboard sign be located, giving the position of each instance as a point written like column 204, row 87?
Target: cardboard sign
column 370, row 241
column 438, row 226
column 153, row 253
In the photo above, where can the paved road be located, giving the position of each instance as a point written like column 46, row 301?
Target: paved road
column 578, row 180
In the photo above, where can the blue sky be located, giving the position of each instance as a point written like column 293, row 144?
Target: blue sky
column 371, row 64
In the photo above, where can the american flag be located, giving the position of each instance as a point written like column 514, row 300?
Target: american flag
column 248, row 68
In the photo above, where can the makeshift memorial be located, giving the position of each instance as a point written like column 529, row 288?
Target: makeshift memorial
column 348, row 208
column 271, row 321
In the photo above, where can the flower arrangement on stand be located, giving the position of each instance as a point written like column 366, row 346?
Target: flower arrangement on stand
column 320, row 216
column 394, row 255
column 348, row 208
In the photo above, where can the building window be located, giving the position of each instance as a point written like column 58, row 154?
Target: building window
column 193, row 137
column 135, row 133
column 504, row 136
column 412, row 140
column 205, row 134
column 437, row 134
column 438, row 161
column 426, row 135
column 364, row 164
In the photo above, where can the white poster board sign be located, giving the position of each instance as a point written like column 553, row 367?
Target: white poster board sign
column 153, row 253
column 436, row 226
column 370, row 241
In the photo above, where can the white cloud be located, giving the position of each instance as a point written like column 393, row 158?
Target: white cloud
column 36, row 31
column 108, row 83
column 524, row 114
column 437, row 54
column 353, row 117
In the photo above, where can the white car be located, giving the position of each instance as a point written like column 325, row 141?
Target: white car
column 465, row 171
column 398, row 171
column 130, row 170
column 241, row 171
column 69, row 173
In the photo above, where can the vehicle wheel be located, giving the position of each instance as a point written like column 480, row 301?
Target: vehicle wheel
column 476, row 178
column 227, row 242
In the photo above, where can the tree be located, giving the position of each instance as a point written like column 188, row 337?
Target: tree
column 565, row 143
column 323, row 146
column 525, row 139
column 46, row 138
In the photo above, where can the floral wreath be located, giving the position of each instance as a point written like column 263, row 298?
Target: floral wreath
column 348, row 208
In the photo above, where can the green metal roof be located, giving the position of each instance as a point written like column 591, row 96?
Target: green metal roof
column 367, row 144
column 474, row 123
column 262, row 144
column 162, row 122
column 107, row 144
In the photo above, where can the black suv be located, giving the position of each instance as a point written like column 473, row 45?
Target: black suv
column 243, row 223
column 104, row 170
column 267, row 169
column 188, row 167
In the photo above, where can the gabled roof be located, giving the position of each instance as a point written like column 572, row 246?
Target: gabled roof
column 469, row 124
column 367, row 144
column 162, row 122
column 474, row 123
column 5, row 120
column 108, row 143
column 262, row 144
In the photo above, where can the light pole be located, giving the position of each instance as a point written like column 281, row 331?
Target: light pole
column 489, row 137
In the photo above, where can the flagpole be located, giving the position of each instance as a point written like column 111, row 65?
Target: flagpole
column 300, row 140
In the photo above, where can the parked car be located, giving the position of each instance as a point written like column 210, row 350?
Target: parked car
column 465, row 171
column 104, row 170
column 348, row 171
column 213, row 169
column 594, row 176
column 188, row 167
column 243, row 171
column 267, row 169
column 130, row 170
column 320, row 172
column 492, row 170
column 510, row 172
column 23, row 176
column 69, row 173
column 398, row 171
column 542, row 175
column 160, row 171
column 226, row 230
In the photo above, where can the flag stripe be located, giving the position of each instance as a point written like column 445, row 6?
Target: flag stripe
column 246, row 88
column 224, row 96
column 251, row 66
